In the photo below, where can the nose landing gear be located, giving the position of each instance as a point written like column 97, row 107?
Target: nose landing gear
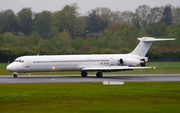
column 15, row 74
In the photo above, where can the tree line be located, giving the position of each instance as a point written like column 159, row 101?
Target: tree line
column 47, row 24
column 68, row 32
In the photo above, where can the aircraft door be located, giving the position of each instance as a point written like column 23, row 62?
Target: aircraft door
column 27, row 63
column 111, row 62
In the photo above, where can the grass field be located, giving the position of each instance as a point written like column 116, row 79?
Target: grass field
column 137, row 97
column 161, row 68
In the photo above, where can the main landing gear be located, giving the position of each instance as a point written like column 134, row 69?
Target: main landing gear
column 98, row 74
column 84, row 74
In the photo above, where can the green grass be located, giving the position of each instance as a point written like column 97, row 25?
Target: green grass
column 144, row 97
column 161, row 68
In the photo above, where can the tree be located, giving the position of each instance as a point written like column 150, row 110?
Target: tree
column 53, row 31
column 63, row 39
column 59, row 23
column 155, row 14
column 135, row 20
column 10, row 25
column 92, row 22
column 99, row 18
column 142, row 12
column 104, row 14
column 8, row 22
column 77, row 43
column 66, row 19
column 156, row 29
column 167, row 16
column 5, row 14
column 173, row 31
column 47, row 46
column 176, row 14
column 126, row 17
column 25, row 19
column 42, row 23
column 115, row 42
column 71, row 12
column 114, row 17
column 95, row 23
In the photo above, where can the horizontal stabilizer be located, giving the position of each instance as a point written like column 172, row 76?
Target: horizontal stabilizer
column 112, row 68
column 150, row 39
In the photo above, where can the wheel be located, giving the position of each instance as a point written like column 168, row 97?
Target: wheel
column 15, row 75
column 84, row 74
column 99, row 74
column 142, row 63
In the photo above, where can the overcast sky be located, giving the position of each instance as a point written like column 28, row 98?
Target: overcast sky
column 85, row 5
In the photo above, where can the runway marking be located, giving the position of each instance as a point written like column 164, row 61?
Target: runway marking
column 113, row 83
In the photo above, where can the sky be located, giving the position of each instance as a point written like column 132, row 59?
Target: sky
column 84, row 5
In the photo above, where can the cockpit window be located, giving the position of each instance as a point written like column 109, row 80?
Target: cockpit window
column 21, row 61
column 16, row 61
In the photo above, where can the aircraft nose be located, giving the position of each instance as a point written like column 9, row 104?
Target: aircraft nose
column 10, row 68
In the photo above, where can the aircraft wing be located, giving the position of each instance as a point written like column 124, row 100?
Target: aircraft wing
column 112, row 68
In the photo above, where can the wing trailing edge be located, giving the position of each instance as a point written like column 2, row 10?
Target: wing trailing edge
column 112, row 68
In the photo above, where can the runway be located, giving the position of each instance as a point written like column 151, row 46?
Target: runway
column 90, row 78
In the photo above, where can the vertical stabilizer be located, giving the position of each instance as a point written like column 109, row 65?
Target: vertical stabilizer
column 144, row 45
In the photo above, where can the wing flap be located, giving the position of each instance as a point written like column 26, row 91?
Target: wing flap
column 112, row 68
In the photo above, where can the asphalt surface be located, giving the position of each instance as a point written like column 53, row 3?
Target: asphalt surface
column 90, row 78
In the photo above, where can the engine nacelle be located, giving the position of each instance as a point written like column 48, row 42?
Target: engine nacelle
column 129, row 62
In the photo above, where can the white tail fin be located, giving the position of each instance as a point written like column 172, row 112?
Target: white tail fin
column 144, row 45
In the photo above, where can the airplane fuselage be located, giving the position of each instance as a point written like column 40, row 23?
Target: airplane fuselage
column 51, row 63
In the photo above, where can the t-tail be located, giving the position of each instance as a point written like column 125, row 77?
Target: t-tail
column 144, row 45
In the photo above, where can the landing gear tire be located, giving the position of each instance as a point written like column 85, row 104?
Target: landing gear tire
column 15, row 75
column 99, row 74
column 142, row 63
column 84, row 74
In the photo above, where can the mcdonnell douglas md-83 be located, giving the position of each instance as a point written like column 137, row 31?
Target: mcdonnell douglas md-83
column 84, row 63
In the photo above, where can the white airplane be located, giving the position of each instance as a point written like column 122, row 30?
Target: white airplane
column 84, row 63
